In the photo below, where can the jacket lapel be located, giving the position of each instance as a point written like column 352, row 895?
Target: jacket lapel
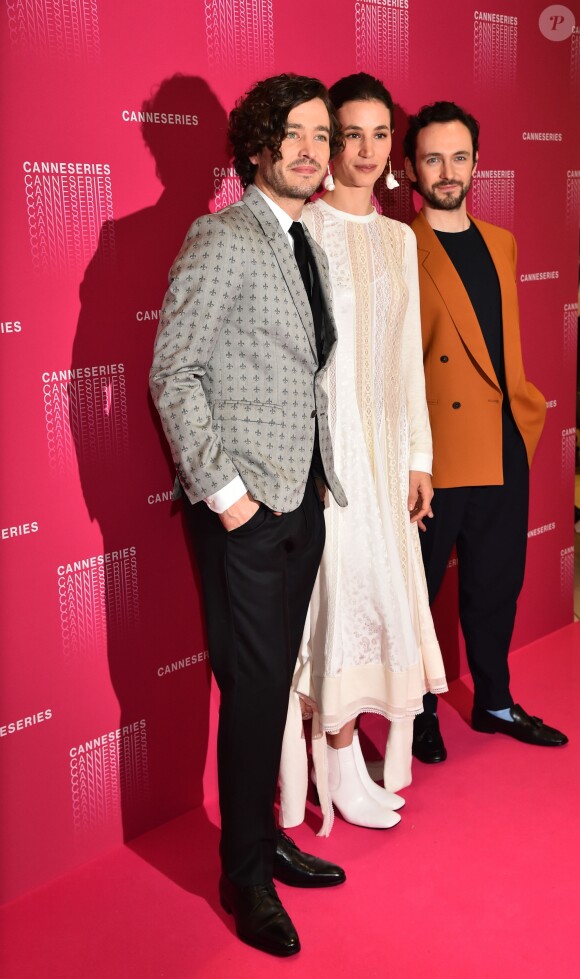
column 447, row 281
column 282, row 251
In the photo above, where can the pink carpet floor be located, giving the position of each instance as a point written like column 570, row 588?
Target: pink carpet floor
column 481, row 878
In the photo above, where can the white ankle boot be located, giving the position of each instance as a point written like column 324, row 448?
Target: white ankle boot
column 395, row 770
column 398, row 756
column 349, row 794
column 386, row 799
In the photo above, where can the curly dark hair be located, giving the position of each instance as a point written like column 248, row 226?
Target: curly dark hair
column 438, row 112
column 259, row 117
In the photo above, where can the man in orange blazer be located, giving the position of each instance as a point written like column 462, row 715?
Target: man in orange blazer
column 486, row 419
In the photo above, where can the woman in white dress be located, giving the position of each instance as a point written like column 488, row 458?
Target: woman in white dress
column 369, row 643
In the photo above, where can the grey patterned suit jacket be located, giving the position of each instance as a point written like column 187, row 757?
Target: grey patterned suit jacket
column 234, row 375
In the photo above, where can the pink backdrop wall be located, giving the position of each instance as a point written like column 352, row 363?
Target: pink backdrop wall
column 105, row 683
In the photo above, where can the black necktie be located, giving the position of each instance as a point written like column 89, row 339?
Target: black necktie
column 301, row 255
column 308, row 271
column 307, row 268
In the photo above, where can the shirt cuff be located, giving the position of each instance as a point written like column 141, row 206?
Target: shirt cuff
column 226, row 496
column 421, row 462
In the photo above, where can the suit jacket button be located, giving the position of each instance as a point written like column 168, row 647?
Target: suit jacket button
column 444, row 359
column 456, row 404
column 313, row 414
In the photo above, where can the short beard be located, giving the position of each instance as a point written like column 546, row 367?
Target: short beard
column 443, row 203
column 277, row 183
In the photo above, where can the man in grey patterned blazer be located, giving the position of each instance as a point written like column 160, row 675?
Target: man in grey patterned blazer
column 245, row 337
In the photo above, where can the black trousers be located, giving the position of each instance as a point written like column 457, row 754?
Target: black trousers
column 257, row 582
column 489, row 526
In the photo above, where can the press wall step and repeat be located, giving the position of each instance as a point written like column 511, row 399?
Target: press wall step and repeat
column 113, row 142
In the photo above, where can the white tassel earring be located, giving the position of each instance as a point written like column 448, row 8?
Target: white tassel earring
column 390, row 180
column 328, row 182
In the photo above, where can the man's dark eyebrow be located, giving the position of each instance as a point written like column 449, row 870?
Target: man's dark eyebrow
column 439, row 153
column 425, row 156
column 298, row 125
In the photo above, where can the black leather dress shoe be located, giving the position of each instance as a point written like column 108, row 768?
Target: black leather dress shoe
column 261, row 920
column 427, row 741
column 292, row 866
column 524, row 727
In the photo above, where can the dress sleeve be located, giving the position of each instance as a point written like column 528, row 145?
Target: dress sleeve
column 421, row 446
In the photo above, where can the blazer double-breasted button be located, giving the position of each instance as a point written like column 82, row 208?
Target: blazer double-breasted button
column 313, row 413
column 444, row 358
column 456, row 404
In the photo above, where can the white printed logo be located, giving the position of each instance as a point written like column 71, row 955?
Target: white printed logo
column 68, row 206
column 58, row 28
column 240, row 35
column 568, row 455
column 570, row 332
column 493, row 196
column 495, row 50
column 567, row 576
column 573, row 197
column 575, row 57
column 85, row 410
column 382, row 38
column 227, row 187
column 105, row 772
column 98, row 598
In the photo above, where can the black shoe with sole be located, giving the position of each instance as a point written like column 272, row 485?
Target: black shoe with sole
column 293, row 866
column 524, row 727
column 260, row 918
column 428, row 745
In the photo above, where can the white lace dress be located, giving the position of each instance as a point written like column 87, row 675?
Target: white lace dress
column 369, row 643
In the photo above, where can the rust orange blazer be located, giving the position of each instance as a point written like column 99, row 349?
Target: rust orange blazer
column 463, row 393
